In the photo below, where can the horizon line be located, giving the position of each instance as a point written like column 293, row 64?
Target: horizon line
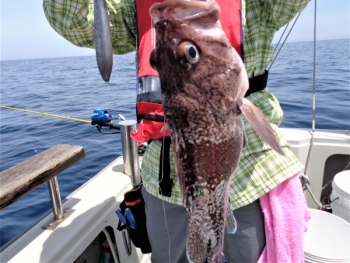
column 273, row 43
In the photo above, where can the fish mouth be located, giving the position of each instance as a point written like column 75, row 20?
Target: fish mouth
column 200, row 11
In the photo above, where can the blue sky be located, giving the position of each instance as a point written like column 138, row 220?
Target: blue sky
column 25, row 33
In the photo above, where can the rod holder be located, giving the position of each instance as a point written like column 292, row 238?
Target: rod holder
column 55, row 198
column 130, row 151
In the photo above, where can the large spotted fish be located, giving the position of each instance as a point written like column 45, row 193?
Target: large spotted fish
column 203, row 82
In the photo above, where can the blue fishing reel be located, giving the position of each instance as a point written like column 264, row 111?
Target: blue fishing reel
column 101, row 118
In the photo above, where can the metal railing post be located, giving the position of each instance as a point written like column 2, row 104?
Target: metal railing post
column 55, row 198
column 130, row 151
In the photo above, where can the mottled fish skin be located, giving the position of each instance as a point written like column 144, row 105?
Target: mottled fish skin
column 103, row 40
column 201, row 102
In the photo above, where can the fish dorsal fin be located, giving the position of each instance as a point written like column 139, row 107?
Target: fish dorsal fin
column 260, row 124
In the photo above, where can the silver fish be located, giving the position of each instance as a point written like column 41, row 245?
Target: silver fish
column 103, row 39
column 203, row 82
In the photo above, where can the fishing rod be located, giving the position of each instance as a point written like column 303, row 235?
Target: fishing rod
column 102, row 118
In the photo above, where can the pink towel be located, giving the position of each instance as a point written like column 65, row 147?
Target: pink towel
column 286, row 215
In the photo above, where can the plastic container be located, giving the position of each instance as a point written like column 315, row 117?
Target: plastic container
column 107, row 256
column 327, row 239
column 340, row 196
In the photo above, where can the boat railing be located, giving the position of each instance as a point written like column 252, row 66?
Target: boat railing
column 24, row 177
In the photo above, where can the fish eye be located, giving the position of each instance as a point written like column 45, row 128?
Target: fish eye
column 189, row 51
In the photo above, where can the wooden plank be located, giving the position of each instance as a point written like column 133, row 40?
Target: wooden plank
column 22, row 178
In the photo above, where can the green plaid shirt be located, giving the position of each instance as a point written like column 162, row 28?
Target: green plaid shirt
column 260, row 168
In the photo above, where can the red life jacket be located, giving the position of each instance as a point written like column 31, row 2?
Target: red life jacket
column 149, row 111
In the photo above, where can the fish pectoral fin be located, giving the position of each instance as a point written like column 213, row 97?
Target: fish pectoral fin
column 231, row 223
column 165, row 127
column 260, row 124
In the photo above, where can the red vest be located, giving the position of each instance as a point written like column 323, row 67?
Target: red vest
column 230, row 18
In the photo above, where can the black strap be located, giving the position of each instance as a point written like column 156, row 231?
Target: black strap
column 150, row 96
column 165, row 182
column 257, row 83
column 150, row 117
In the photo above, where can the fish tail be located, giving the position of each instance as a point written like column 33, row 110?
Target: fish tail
column 206, row 227
column 204, row 241
column 196, row 245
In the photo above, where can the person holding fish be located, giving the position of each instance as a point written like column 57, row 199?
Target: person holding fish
column 218, row 176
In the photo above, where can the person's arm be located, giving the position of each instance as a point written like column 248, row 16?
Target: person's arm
column 74, row 20
column 280, row 12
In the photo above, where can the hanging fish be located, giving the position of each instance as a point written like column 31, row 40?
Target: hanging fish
column 203, row 82
column 103, row 39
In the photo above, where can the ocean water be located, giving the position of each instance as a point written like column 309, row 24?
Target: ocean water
column 72, row 86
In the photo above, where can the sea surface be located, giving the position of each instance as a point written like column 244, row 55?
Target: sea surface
column 73, row 87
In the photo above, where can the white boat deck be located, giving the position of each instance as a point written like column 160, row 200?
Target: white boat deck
column 94, row 204
column 327, row 143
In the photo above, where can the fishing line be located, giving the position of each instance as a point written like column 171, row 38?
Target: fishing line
column 69, row 169
column 160, row 189
column 29, row 139
column 280, row 38
column 46, row 114
column 304, row 175
column 165, row 217
column 290, row 30
column 284, row 41
column 313, row 116
column 31, row 142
